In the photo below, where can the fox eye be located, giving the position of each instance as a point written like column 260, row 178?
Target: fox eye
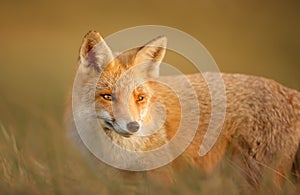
column 140, row 98
column 107, row 97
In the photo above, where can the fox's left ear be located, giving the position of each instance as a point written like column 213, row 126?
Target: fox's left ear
column 150, row 56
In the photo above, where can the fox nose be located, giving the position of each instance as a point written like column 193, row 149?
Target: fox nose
column 133, row 126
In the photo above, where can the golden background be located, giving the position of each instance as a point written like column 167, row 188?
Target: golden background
column 39, row 42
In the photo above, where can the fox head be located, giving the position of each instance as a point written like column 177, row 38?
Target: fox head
column 123, row 93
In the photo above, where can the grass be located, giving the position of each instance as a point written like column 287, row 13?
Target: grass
column 54, row 166
column 39, row 45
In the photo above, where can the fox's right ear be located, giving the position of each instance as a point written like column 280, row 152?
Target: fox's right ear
column 94, row 53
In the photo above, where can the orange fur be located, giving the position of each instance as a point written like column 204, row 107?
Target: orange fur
column 262, row 124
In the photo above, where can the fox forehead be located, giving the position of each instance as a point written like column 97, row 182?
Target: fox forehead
column 116, row 73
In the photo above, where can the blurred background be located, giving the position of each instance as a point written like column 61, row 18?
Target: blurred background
column 39, row 43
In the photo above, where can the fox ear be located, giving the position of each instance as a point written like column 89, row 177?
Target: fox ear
column 94, row 53
column 150, row 56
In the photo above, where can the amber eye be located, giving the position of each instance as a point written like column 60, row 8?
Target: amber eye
column 140, row 98
column 107, row 97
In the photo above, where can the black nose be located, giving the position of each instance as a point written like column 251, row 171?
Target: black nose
column 133, row 126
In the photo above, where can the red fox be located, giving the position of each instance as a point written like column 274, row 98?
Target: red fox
column 262, row 122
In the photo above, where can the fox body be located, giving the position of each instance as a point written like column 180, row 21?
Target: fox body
column 261, row 126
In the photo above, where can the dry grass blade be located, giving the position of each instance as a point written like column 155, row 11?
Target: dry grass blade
column 5, row 134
